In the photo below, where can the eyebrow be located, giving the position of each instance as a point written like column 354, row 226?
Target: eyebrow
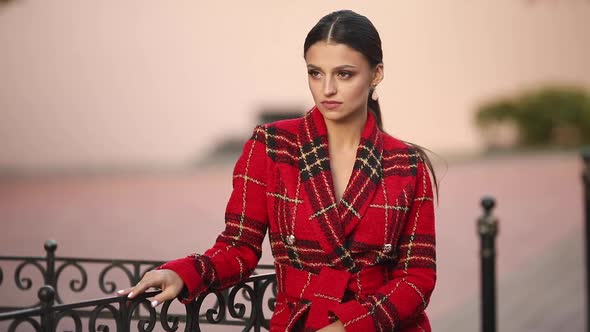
column 310, row 66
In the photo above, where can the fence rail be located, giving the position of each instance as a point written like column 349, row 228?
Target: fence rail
column 246, row 304
column 121, row 311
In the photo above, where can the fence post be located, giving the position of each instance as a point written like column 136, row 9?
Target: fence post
column 586, row 182
column 47, row 295
column 487, row 226
column 50, row 277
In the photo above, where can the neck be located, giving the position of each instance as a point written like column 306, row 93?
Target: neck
column 346, row 134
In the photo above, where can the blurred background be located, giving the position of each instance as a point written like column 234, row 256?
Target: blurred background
column 120, row 123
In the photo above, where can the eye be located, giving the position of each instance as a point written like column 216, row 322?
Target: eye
column 345, row 74
column 314, row 73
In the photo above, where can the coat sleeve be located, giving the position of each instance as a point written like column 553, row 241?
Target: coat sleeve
column 238, row 248
column 407, row 294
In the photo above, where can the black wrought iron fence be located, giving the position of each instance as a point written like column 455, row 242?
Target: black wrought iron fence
column 247, row 304
column 118, row 313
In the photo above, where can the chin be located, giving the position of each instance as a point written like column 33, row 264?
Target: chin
column 336, row 115
column 333, row 115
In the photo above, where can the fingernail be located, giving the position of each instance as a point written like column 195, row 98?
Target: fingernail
column 130, row 295
column 120, row 291
column 154, row 303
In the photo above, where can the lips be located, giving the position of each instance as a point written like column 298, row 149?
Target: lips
column 331, row 104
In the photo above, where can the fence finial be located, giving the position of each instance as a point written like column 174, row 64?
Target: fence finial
column 46, row 294
column 488, row 203
column 50, row 245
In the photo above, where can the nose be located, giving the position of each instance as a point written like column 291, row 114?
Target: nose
column 329, row 86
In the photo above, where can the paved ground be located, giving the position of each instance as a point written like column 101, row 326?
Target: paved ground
column 540, row 261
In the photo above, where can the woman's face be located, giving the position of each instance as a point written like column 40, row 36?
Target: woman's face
column 340, row 79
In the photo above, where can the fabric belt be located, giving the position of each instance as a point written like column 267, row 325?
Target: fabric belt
column 326, row 290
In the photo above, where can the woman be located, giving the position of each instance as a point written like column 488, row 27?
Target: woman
column 348, row 208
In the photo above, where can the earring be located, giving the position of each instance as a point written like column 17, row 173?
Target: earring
column 374, row 94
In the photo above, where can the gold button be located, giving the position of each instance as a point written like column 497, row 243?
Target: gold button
column 291, row 239
column 387, row 248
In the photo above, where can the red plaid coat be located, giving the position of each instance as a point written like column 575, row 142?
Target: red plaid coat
column 367, row 260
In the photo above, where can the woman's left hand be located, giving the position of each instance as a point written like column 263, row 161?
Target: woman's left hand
column 334, row 327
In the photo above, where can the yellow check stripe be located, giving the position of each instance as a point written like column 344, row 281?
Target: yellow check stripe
column 415, row 244
column 400, row 167
column 421, row 258
column 401, row 155
column 244, row 227
column 247, row 178
column 390, row 207
column 285, row 198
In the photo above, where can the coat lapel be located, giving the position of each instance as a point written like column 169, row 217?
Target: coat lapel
column 365, row 177
column 316, row 177
column 335, row 220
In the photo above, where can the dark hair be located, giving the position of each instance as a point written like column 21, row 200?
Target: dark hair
column 357, row 32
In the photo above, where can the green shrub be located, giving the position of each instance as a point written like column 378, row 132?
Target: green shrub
column 553, row 116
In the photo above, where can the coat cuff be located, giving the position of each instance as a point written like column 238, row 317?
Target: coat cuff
column 186, row 269
column 354, row 316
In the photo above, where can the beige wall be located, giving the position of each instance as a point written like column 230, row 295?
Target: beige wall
column 154, row 83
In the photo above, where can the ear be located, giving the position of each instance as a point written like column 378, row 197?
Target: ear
column 378, row 75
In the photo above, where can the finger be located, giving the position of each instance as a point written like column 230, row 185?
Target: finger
column 141, row 287
column 167, row 294
column 126, row 291
column 123, row 292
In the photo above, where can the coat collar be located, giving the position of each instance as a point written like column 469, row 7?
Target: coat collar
column 336, row 220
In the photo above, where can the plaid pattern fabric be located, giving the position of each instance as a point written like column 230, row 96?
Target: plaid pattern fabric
column 384, row 224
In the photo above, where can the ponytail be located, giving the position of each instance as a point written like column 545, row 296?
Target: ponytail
column 373, row 107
